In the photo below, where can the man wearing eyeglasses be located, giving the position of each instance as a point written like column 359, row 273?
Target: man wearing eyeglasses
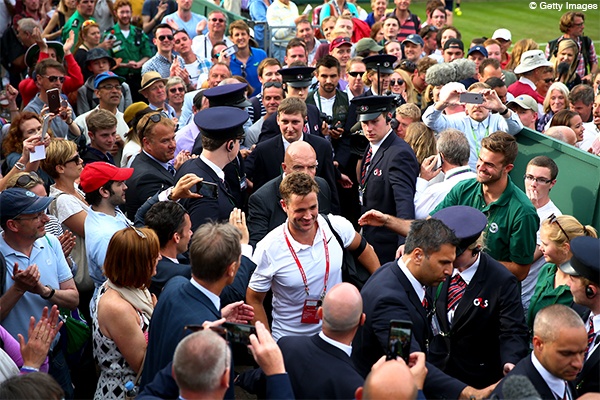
column 107, row 87
column 50, row 74
column 37, row 273
column 154, row 90
column 540, row 177
column 164, row 58
column 203, row 44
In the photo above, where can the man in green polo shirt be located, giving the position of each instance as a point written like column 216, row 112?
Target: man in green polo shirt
column 510, row 235
column 131, row 45
column 85, row 9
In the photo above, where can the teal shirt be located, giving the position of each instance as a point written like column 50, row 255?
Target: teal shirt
column 132, row 48
column 73, row 24
column 512, row 219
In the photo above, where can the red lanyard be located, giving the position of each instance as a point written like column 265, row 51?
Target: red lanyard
column 302, row 269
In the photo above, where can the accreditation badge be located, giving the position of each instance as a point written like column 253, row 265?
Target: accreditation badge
column 309, row 311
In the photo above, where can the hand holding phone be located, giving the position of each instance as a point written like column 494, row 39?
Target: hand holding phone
column 208, row 190
column 471, row 98
column 238, row 333
column 53, row 96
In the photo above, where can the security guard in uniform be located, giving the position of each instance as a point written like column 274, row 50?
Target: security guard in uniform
column 388, row 172
column 222, row 131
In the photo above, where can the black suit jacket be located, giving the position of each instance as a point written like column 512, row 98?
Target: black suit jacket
column 149, row 178
column 389, row 295
column 588, row 379
column 180, row 304
column 525, row 367
column 317, row 369
column 165, row 270
column 264, row 163
column 488, row 328
column 270, row 128
column 389, row 187
column 265, row 212
column 204, row 209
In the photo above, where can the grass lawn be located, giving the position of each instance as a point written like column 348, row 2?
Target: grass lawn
column 482, row 18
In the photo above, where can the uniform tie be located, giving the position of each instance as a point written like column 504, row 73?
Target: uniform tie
column 591, row 335
column 363, row 172
column 456, row 290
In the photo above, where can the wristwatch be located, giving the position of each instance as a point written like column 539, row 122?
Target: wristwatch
column 52, row 291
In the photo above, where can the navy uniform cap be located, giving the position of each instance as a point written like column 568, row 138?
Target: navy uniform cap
column 370, row 107
column 586, row 259
column 233, row 95
column 297, row 77
column 466, row 222
column 221, row 123
column 383, row 63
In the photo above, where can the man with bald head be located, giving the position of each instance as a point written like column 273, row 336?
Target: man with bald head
column 320, row 366
column 559, row 345
column 394, row 379
column 264, row 209
column 562, row 133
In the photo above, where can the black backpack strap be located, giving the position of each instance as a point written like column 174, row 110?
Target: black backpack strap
column 337, row 237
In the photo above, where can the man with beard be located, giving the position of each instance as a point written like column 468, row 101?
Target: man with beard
column 479, row 120
column 512, row 219
column 131, row 46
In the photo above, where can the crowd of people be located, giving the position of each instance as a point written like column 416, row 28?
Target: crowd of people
column 178, row 188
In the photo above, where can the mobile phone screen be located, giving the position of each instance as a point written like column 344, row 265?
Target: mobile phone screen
column 399, row 339
column 208, row 189
column 239, row 333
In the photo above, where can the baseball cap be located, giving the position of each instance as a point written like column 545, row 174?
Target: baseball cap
column 106, row 75
column 479, row 49
column 367, row 44
column 414, row 38
column 16, row 201
column 454, row 43
column 502, row 33
column 96, row 174
column 339, row 41
column 524, row 101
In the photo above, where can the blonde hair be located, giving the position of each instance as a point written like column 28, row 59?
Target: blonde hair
column 571, row 226
column 519, row 48
column 57, row 153
column 561, row 87
column 422, row 140
column 566, row 44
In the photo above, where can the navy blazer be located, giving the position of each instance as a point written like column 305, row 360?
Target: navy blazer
column 270, row 128
column 265, row 212
column 525, row 367
column 389, row 187
column 389, row 295
column 588, row 379
column 319, row 370
column 488, row 328
column 165, row 270
column 149, row 178
column 180, row 304
column 204, row 209
column 264, row 163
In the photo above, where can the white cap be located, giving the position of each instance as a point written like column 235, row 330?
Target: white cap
column 502, row 33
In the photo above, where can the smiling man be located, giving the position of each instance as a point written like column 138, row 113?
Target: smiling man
column 306, row 242
column 245, row 61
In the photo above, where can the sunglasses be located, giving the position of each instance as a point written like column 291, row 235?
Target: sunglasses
column 139, row 233
column 176, row 89
column 356, row 74
column 76, row 159
column 154, row 118
column 275, row 84
column 53, row 78
column 25, row 180
column 549, row 80
column 554, row 220
column 395, row 82
column 217, row 20
column 162, row 38
column 243, row 67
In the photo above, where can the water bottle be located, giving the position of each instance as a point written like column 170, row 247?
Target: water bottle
column 131, row 391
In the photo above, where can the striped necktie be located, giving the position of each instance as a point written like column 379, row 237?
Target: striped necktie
column 363, row 172
column 456, row 290
column 591, row 335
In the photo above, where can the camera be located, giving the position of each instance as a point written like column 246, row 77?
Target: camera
column 327, row 118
